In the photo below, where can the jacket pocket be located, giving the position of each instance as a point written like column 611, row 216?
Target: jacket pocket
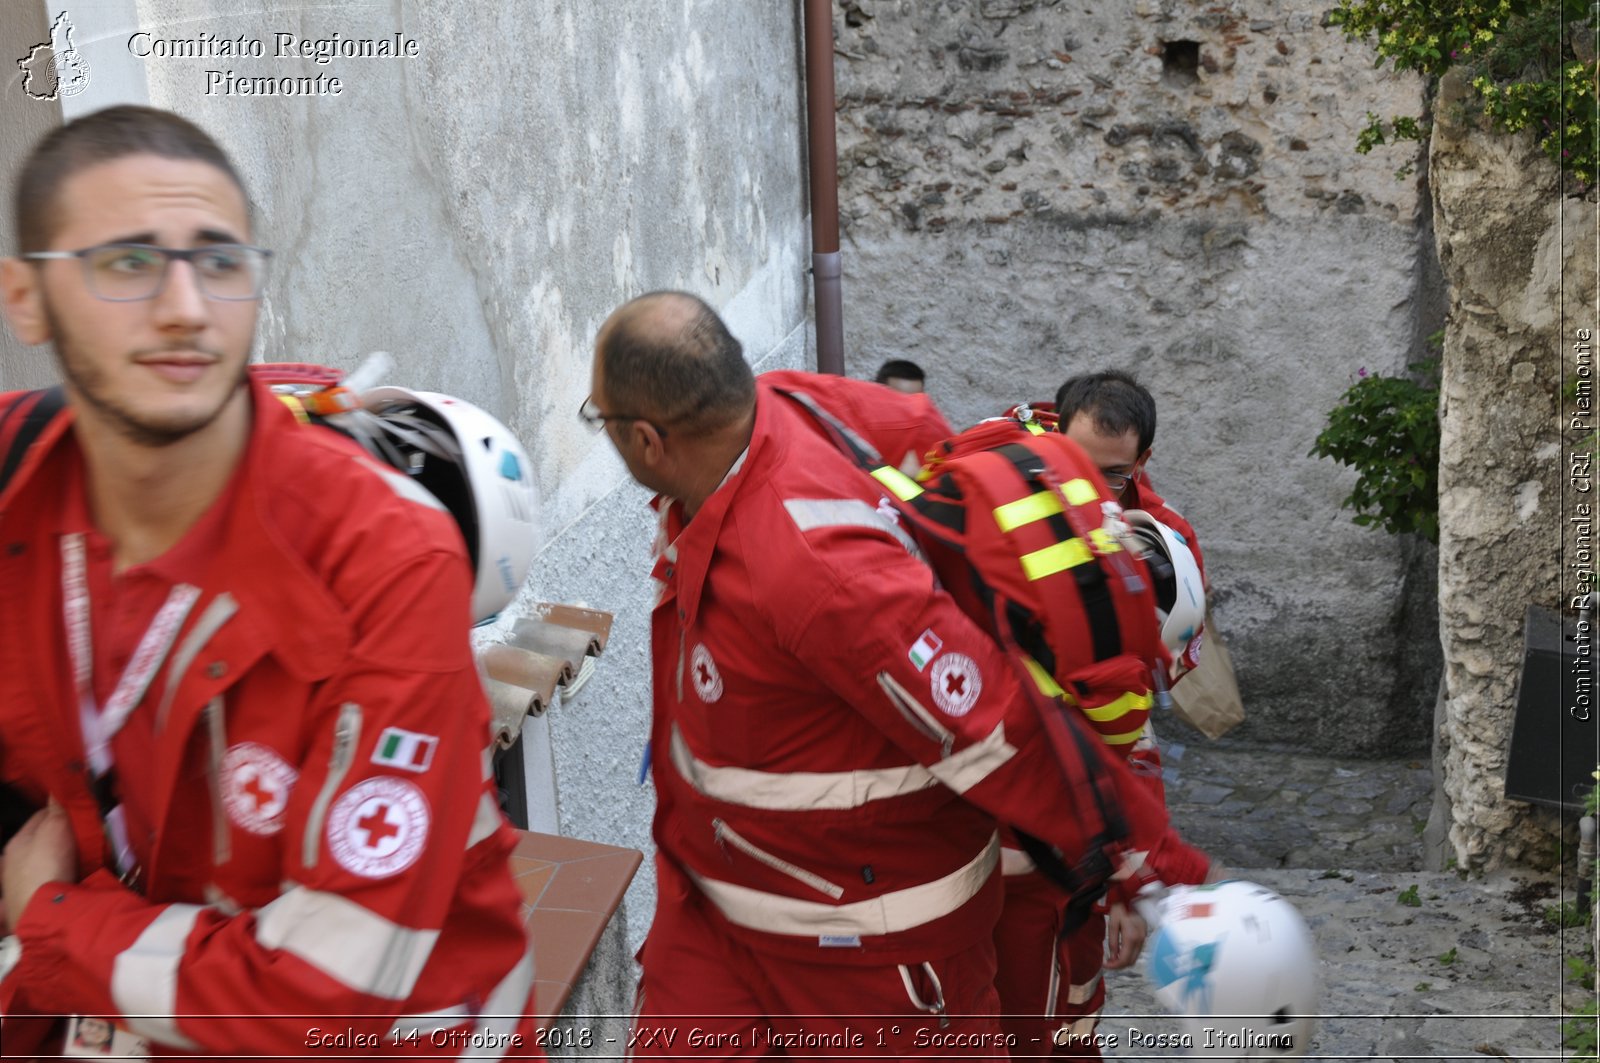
column 346, row 733
column 726, row 836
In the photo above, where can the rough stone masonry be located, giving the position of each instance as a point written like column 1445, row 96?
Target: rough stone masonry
column 1032, row 188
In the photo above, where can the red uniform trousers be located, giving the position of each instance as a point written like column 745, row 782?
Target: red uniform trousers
column 707, row 995
column 1050, row 987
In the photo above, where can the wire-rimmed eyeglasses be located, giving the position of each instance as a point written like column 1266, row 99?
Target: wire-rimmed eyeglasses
column 590, row 414
column 1117, row 481
column 126, row 273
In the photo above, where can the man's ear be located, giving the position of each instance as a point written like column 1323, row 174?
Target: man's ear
column 22, row 299
column 1142, row 459
column 647, row 438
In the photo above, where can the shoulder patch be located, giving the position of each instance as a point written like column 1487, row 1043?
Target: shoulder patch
column 378, row 827
column 956, row 683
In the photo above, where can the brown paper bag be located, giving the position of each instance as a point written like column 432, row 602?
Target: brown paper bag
column 1208, row 698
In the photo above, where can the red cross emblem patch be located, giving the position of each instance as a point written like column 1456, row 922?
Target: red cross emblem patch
column 379, row 826
column 256, row 783
column 956, row 683
column 703, row 671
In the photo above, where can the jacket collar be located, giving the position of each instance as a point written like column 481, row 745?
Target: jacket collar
column 697, row 541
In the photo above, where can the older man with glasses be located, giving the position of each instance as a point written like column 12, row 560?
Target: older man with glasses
column 235, row 675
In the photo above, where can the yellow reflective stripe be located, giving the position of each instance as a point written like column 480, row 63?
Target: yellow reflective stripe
column 1129, row 702
column 1104, row 541
column 1036, row 506
column 903, row 486
column 1055, row 558
column 1080, row 492
column 1035, row 428
column 1042, row 679
column 296, row 407
column 1123, row 739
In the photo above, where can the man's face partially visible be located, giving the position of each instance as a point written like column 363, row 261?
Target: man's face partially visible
column 153, row 370
column 1116, row 455
column 910, row 387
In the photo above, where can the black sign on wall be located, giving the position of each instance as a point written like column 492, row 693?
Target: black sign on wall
column 1555, row 737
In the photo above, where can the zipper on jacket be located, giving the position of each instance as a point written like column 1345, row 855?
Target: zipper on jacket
column 221, row 844
column 345, row 734
column 916, row 714
column 727, row 836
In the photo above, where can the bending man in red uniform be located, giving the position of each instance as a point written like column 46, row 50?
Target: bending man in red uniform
column 1051, row 987
column 234, row 667
column 833, row 739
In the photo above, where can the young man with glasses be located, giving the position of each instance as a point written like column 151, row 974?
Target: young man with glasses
column 217, row 627
column 833, row 738
column 1053, row 987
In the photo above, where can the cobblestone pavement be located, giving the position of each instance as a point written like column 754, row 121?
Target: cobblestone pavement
column 1473, row 970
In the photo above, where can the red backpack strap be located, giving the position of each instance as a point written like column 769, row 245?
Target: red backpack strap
column 25, row 420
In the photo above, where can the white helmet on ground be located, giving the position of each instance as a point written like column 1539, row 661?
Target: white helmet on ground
column 1236, row 961
column 474, row 466
column 1180, row 589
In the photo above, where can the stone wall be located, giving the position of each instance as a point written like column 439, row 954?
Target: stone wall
column 1517, row 256
column 1033, row 188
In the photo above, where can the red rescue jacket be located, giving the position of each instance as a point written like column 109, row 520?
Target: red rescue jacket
column 301, row 874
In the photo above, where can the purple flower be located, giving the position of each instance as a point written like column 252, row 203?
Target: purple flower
column 1362, row 372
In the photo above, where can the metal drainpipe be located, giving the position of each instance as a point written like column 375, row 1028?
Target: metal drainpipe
column 823, row 153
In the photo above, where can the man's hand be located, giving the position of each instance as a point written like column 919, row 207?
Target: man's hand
column 42, row 851
column 1216, row 873
column 1125, row 933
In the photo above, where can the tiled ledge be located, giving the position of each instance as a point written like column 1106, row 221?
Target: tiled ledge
column 570, row 890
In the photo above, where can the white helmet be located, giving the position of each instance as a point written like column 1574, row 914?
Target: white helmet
column 1237, row 962
column 474, row 466
column 1180, row 589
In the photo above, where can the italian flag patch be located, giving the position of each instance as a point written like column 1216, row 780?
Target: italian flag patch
column 406, row 750
column 925, row 649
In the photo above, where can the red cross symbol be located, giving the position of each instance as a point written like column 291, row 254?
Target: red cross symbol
column 705, row 674
column 262, row 795
column 377, row 826
column 955, row 684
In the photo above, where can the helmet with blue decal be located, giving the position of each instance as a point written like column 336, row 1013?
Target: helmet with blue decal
column 1237, row 963
column 474, row 466
column 1180, row 588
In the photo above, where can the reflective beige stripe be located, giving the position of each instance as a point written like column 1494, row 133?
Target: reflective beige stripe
column 1080, row 994
column 485, row 821
column 1080, row 492
column 347, row 942
column 966, row 769
column 144, row 976
column 799, row 790
column 502, row 1013
column 1015, row 862
column 1054, row 558
column 809, row 514
column 888, row 914
column 1111, row 710
column 903, row 486
column 1037, row 506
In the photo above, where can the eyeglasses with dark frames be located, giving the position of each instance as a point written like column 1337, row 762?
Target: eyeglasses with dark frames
column 1117, row 481
column 590, row 415
column 128, row 273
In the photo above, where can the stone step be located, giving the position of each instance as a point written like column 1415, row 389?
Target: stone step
column 1390, row 987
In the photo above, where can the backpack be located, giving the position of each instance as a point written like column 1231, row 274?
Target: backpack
column 1021, row 531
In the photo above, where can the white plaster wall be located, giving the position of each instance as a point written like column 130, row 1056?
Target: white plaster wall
column 477, row 211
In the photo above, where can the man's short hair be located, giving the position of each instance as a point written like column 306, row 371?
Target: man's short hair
column 1115, row 400
column 900, row 369
column 101, row 137
column 692, row 378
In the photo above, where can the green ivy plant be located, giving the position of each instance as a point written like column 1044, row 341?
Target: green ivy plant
column 1387, row 429
column 1531, row 64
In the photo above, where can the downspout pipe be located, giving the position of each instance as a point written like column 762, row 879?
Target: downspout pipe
column 823, row 155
